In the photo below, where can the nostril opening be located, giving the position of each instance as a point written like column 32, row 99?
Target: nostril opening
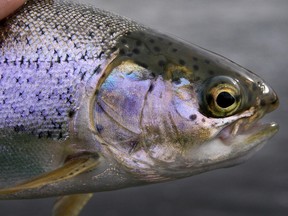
column 275, row 101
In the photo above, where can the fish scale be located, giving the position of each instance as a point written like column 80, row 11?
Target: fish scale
column 41, row 71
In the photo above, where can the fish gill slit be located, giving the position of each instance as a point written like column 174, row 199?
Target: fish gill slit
column 112, row 119
column 149, row 90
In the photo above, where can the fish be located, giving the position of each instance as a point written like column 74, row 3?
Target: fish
column 91, row 101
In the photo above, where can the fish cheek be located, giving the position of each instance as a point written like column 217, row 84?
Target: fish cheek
column 118, row 105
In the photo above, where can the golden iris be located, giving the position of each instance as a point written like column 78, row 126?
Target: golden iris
column 223, row 100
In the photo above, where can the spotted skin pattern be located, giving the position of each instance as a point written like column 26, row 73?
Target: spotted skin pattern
column 42, row 70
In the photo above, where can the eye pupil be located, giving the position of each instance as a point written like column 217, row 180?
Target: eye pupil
column 224, row 100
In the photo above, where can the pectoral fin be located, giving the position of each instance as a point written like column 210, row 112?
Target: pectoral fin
column 70, row 169
column 71, row 205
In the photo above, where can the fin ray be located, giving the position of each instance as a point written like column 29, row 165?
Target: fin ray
column 69, row 170
column 70, row 205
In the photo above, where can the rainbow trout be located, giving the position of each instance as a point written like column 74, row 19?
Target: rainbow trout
column 91, row 101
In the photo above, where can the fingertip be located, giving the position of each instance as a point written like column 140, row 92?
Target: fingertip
column 9, row 6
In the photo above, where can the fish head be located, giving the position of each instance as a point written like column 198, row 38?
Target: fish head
column 180, row 109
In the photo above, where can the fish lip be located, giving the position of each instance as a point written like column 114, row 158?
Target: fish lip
column 250, row 132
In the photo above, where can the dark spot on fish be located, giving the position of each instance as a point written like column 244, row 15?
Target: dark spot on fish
column 83, row 76
column 99, row 109
column 141, row 64
column 71, row 113
column 122, row 52
column 193, row 117
column 99, row 128
column 161, row 63
column 67, row 58
column 211, row 72
column 60, row 135
column 197, row 78
column 152, row 41
column 58, row 59
column 133, row 145
column 58, row 112
column 174, row 50
column 55, row 39
column 136, row 51
column 40, row 135
column 91, row 34
column 41, row 31
column 182, row 62
column 207, row 61
column 160, row 38
column 262, row 102
column 176, row 80
column 97, row 69
column 22, row 60
column 100, row 54
column 113, row 49
column 19, row 128
column 170, row 43
column 128, row 33
column 151, row 87
column 28, row 42
column 31, row 110
column 49, row 134
column 196, row 67
column 195, row 58
column 203, row 120
column 124, row 41
column 157, row 49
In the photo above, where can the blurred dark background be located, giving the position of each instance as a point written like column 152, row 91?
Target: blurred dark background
column 254, row 33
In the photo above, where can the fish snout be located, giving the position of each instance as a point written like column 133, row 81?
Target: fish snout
column 269, row 100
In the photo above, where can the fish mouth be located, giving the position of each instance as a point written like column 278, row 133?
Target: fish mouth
column 245, row 132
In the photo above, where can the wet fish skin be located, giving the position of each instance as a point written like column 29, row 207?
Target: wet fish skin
column 52, row 58
column 63, row 69
column 49, row 50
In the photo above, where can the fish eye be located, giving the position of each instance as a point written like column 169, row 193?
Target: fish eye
column 225, row 99
column 221, row 97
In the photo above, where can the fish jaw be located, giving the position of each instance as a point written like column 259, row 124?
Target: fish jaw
column 219, row 152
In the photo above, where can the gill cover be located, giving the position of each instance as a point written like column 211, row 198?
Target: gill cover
column 119, row 104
